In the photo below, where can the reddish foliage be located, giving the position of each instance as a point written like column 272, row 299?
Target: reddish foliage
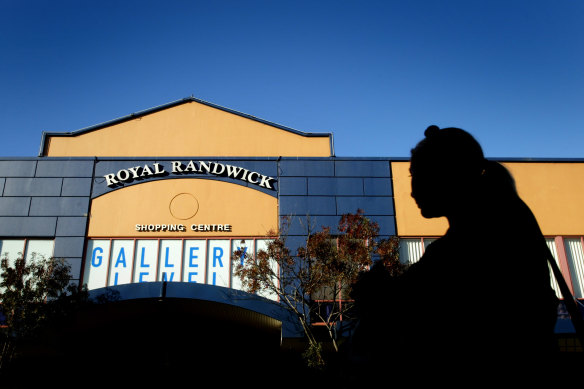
column 315, row 282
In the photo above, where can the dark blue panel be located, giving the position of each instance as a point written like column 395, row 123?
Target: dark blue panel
column 307, row 205
column 76, row 187
column 71, row 226
column 335, row 186
column 306, row 168
column 293, row 242
column 386, row 224
column 59, row 206
column 271, row 192
column 267, row 168
column 14, row 206
column 75, row 264
column 17, row 168
column 64, row 169
column 362, row 168
column 377, row 186
column 293, row 186
column 370, row 205
column 299, row 225
column 2, row 181
column 317, row 222
column 28, row 226
column 33, row 187
column 68, row 247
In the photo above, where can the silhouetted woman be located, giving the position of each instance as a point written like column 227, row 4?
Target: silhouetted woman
column 480, row 296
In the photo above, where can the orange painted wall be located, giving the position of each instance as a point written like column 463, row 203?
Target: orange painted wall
column 183, row 201
column 187, row 130
column 553, row 191
column 555, row 194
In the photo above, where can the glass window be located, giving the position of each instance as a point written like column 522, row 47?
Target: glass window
column 111, row 262
column 39, row 249
column 410, row 250
column 575, row 257
column 31, row 249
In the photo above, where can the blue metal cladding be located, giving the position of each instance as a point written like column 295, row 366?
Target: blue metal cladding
column 14, row 206
column 17, row 168
column 33, row 186
column 360, row 168
column 306, row 167
column 70, row 226
column 59, row 206
column 47, row 198
column 293, row 186
column 335, row 186
column 27, row 227
column 76, row 186
column 64, row 168
column 315, row 192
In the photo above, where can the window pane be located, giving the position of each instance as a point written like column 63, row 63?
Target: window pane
column 246, row 246
column 427, row 242
column 218, row 263
column 96, row 263
column 11, row 249
column 39, row 249
column 262, row 244
column 410, row 250
column 170, row 259
column 575, row 256
column 145, row 260
column 195, row 254
column 552, row 246
column 122, row 254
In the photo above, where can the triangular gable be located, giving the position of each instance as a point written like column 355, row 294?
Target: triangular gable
column 187, row 127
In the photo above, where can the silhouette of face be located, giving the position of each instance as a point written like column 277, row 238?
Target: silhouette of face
column 428, row 188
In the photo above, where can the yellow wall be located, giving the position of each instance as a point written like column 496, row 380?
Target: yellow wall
column 553, row 191
column 190, row 129
column 183, row 201
column 555, row 194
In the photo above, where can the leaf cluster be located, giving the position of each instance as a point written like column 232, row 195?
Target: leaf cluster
column 315, row 280
column 35, row 293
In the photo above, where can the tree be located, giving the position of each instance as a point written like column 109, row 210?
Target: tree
column 315, row 281
column 34, row 294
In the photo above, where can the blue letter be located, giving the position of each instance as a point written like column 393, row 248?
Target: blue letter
column 98, row 257
column 191, row 274
column 116, row 279
column 192, row 256
column 244, row 249
column 142, row 264
column 214, row 278
column 166, row 259
column 142, row 274
column 121, row 258
column 217, row 254
column 164, row 278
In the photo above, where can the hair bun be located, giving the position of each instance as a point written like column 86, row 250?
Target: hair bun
column 431, row 131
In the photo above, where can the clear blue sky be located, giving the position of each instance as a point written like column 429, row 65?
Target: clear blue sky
column 374, row 73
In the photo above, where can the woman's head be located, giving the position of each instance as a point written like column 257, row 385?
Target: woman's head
column 446, row 167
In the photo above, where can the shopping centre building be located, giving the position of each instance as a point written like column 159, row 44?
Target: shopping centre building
column 153, row 204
